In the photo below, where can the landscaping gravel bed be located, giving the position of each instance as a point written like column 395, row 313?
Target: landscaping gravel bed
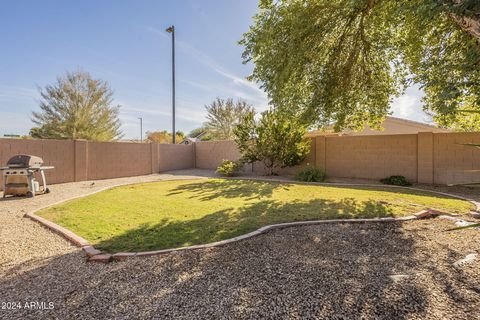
column 406, row 270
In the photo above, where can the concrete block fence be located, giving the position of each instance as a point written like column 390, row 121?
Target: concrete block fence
column 80, row 160
column 426, row 157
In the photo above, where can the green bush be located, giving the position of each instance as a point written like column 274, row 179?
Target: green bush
column 276, row 139
column 230, row 168
column 311, row 174
column 396, row 181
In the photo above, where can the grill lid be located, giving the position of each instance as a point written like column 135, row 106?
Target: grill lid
column 24, row 161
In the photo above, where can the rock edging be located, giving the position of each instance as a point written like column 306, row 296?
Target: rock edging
column 95, row 255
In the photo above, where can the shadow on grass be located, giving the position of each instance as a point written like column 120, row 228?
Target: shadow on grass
column 228, row 223
column 254, row 189
column 211, row 189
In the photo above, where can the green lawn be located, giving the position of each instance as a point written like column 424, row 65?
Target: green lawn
column 170, row 214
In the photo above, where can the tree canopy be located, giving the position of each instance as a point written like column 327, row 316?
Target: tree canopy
column 200, row 133
column 164, row 136
column 77, row 107
column 275, row 139
column 343, row 61
column 223, row 116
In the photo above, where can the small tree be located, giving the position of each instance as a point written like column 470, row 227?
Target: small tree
column 276, row 140
column 77, row 107
column 223, row 116
column 164, row 136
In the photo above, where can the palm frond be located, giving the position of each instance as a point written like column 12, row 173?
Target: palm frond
column 468, row 111
column 470, row 145
column 475, row 225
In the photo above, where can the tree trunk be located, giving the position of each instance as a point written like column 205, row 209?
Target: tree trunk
column 471, row 25
column 269, row 166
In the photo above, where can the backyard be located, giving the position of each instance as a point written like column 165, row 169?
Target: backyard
column 169, row 214
column 256, row 159
column 400, row 270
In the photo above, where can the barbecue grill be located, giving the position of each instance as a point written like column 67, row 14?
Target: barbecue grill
column 19, row 176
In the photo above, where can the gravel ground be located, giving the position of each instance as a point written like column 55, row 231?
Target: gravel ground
column 345, row 271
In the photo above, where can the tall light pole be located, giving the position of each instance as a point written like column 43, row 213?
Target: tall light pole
column 141, row 129
column 171, row 30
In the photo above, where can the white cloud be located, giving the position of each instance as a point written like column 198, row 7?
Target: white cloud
column 259, row 101
column 253, row 94
column 14, row 92
column 185, row 113
column 409, row 106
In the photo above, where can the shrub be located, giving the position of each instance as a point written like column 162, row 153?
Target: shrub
column 311, row 174
column 230, row 168
column 276, row 139
column 396, row 181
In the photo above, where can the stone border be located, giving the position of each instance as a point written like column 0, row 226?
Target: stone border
column 95, row 255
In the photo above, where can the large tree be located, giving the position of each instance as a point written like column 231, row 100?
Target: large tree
column 344, row 61
column 77, row 107
column 223, row 116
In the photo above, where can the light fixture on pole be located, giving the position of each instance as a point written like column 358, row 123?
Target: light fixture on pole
column 171, row 30
column 141, row 129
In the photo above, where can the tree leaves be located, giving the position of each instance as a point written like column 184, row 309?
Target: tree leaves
column 325, row 61
column 77, row 107
column 223, row 116
column 343, row 61
column 444, row 59
column 275, row 139
column 164, row 136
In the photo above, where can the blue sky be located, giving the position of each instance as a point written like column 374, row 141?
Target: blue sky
column 125, row 43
